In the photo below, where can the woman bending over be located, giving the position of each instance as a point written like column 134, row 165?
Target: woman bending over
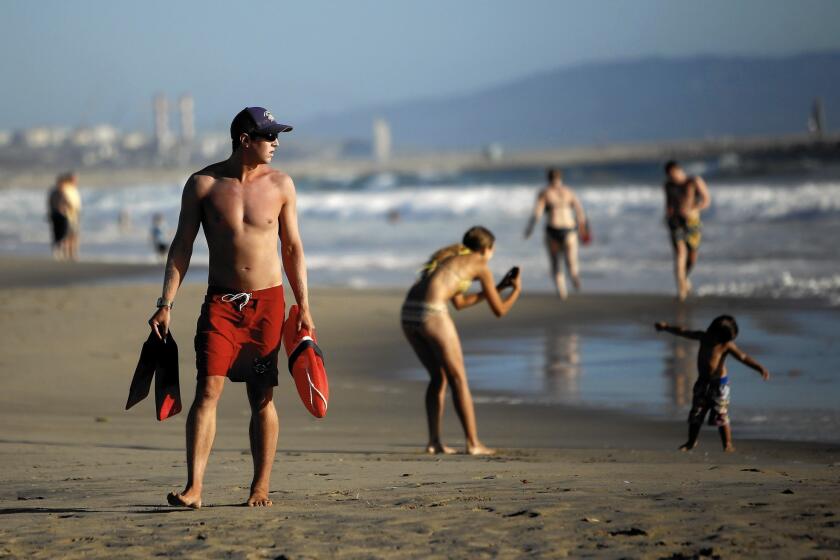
column 432, row 334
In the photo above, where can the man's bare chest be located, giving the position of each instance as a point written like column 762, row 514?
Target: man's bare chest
column 556, row 200
column 236, row 207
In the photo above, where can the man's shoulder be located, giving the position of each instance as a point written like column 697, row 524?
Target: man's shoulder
column 279, row 178
column 204, row 179
column 212, row 172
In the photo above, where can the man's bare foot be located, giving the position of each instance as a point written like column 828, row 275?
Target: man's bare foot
column 480, row 449
column 259, row 498
column 437, row 448
column 183, row 500
column 729, row 449
column 688, row 446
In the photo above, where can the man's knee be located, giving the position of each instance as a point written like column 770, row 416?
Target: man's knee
column 209, row 389
column 260, row 397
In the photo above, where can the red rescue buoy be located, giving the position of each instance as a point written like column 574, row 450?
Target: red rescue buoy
column 306, row 364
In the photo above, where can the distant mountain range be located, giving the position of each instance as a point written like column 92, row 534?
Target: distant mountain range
column 650, row 99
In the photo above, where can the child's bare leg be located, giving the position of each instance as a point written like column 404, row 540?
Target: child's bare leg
column 693, row 433
column 726, row 438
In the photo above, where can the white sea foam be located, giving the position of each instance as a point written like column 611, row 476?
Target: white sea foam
column 379, row 230
column 786, row 285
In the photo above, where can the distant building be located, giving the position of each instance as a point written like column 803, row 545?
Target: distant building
column 163, row 137
column 494, row 151
column 381, row 140
column 134, row 141
column 41, row 137
column 186, row 108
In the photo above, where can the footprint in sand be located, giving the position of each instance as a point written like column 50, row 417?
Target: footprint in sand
column 527, row 512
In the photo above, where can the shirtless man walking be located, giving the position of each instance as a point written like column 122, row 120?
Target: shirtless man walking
column 243, row 204
column 685, row 198
column 565, row 221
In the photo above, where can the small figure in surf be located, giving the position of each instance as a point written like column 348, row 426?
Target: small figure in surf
column 685, row 197
column 565, row 225
column 74, row 215
column 158, row 235
column 64, row 206
column 431, row 332
column 711, row 390
column 244, row 206
column 57, row 208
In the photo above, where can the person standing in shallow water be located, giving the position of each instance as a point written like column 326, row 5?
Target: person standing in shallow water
column 566, row 223
column 57, row 210
column 431, row 332
column 685, row 198
column 244, row 206
column 74, row 214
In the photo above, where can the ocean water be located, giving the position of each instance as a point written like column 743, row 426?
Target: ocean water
column 773, row 237
column 630, row 367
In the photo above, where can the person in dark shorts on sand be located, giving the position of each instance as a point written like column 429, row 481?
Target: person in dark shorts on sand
column 711, row 390
column 565, row 225
column 243, row 205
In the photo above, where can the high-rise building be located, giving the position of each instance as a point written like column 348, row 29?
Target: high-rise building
column 163, row 137
column 186, row 108
column 381, row 140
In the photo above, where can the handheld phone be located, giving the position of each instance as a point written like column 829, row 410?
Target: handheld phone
column 509, row 277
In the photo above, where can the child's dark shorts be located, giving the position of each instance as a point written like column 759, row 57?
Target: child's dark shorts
column 238, row 334
column 710, row 397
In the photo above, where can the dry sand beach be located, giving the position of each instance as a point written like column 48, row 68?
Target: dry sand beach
column 82, row 478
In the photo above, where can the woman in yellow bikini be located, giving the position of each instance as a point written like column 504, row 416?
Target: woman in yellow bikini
column 431, row 332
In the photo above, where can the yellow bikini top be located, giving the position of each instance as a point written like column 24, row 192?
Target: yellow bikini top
column 463, row 283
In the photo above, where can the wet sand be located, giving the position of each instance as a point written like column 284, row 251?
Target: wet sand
column 80, row 477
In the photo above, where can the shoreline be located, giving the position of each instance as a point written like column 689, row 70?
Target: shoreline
column 590, row 312
column 41, row 271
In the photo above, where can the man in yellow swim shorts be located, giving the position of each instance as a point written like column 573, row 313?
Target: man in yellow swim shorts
column 685, row 197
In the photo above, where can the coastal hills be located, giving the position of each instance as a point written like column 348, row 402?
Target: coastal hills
column 645, row 100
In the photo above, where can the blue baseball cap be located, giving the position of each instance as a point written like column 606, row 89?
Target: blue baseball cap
column 256, row 119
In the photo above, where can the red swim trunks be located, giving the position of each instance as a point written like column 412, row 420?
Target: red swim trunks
column 238, row 334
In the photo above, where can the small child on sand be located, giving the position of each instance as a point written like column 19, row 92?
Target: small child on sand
column 711, row 391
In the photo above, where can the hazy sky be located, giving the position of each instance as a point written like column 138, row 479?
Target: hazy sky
column 81, row 62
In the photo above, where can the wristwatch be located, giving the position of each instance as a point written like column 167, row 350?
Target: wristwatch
column 164, row 303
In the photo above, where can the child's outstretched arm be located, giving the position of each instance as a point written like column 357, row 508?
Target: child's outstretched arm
column 678, row 331
column 742, row 357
